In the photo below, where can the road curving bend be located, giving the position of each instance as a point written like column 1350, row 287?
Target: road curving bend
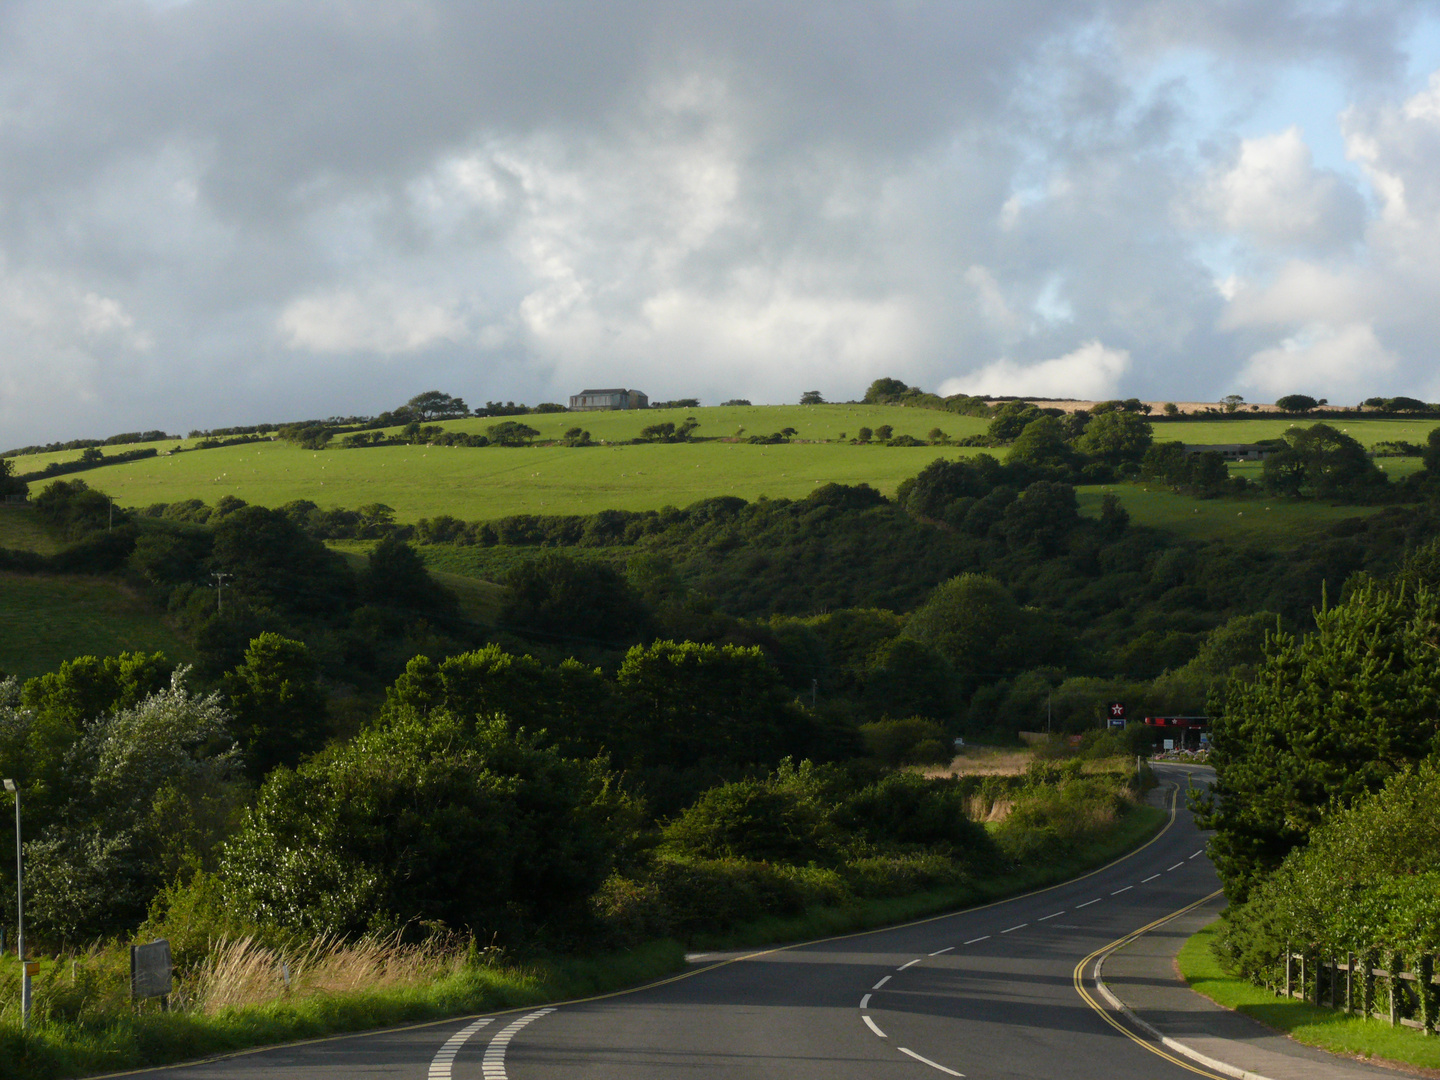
column 990, row 992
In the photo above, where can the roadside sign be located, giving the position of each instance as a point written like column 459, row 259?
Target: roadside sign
column 1117, row 710
column 150, row 970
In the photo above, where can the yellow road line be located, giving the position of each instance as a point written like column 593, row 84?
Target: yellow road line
column 1079, row 979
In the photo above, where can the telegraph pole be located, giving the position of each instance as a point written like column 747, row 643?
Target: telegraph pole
column 220, row 580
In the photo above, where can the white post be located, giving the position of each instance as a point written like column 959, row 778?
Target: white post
column 20, row 913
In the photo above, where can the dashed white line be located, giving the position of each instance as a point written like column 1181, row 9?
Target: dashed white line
column 440, row 1066
column 881, row 983
column 873, row 1026
column 492, row 1066
column 1042, row 918
column 927, row 1061
column 912, row 963
column 865, row 1002
column 973, row 940
column 942, row 952
column 1175, row 867
column 1200, row 852
column 1020, row 927
column 1087, row 903
column 1152, row 877
column 1127, row 888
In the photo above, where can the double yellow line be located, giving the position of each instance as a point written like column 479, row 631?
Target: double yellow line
column 1105, row 950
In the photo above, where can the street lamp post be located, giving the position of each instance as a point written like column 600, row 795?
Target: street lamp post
column 20, row 913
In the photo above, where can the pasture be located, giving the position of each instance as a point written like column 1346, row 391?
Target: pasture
column 492, row 482
column 47, row 620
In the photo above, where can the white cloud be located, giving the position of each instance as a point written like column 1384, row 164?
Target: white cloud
column 1321, row 360
column 1090, row 372
column 1274, row 195
column 379, row 321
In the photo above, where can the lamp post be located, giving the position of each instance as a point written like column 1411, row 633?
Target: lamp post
column 20, row 913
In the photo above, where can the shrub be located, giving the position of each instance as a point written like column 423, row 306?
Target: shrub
column 912, row 741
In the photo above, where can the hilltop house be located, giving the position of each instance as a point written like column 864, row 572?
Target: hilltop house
column 592, row 400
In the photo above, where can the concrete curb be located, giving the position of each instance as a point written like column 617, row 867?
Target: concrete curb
column 1166, row 1041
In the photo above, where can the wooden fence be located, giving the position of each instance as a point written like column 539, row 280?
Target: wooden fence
column 1358, row 983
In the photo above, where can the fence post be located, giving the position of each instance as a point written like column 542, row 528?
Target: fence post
column 1367, row 982
column 1425, row 992
column 1288, row 957
column 1349, row 980
column 1392, row 974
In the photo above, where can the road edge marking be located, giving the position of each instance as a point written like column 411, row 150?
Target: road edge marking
column 1230, row 1072
column 656, row 983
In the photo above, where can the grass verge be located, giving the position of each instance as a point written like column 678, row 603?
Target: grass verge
column 1138, row 826
column 1324, row 1029
column 147, row 1037
column 126, row 1038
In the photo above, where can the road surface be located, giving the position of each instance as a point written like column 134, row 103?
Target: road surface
column 990, row 993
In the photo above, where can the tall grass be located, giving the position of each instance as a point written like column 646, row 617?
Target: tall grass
column 247, row 994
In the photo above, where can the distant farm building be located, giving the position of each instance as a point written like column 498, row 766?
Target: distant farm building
column 594, row 400
column 1232, row 451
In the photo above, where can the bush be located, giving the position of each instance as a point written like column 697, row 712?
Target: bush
column 750, row 819
column 912, row 741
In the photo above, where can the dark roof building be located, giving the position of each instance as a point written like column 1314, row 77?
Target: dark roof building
column 591, row 400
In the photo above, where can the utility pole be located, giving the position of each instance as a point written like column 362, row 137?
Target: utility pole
column 220, row 591
column 814, row 689
column 1047, row 711
column 20, row 913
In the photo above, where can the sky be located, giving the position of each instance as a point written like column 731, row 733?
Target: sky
column 220, row 213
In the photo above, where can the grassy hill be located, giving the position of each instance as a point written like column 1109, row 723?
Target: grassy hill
column 493, row 482
column 46, row 620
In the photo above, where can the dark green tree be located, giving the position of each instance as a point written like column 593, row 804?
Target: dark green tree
column 883, row 390
column 396, row 577
column 467, row 824
column 511, row 433
column 812, row 397
column 12, row 488
column 687, row 703
column 1325, row 462
column 434, row 405
column 1041, row 445
column 279, row 708
column 1296, row 403
column 1324, row 719
column 1010, row 419
column 1116, row 436
column 577, row 601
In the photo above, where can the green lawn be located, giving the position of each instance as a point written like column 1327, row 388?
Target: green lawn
column 1327, row 1029
column 45, row 621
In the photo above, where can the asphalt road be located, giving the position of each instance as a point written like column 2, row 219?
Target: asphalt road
column 986, row 993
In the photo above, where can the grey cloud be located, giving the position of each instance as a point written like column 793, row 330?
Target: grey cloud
column 313, row 207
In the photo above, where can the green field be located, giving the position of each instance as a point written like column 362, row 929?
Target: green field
column 1276, row 522
column 1366, row 432
column 45, row 621
column 492, row 482
column 20, row 530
